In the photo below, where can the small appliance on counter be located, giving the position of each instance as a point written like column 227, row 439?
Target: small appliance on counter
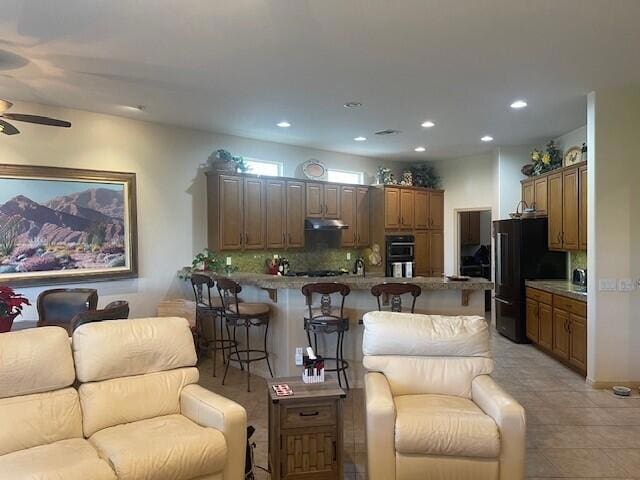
column 580, row 277
column 399, row 250
column 358, row 267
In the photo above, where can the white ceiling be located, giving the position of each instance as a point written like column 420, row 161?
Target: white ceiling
column 241, row 66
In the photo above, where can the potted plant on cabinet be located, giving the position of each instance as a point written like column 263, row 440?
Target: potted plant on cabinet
column 11, row 304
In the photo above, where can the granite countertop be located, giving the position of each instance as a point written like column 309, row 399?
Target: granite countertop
column 560, row 287
column 357, row 282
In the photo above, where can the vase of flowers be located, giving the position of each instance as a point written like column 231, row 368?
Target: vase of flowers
column 546, row 160
column 11, row 304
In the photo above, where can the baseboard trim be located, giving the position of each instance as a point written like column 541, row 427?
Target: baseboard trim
column 608, row 385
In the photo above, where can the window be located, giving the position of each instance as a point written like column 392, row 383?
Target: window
column 342, row 176
column 264, row 167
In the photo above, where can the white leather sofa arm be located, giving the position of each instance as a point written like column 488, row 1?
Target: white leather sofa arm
column 209, row 409
column 380, row 427
column 510, row 418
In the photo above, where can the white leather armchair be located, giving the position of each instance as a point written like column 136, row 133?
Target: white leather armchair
column 40, row 417
column 142, row 409
column 432, row 410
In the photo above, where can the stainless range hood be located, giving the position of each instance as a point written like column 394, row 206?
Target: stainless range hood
column 324, row 224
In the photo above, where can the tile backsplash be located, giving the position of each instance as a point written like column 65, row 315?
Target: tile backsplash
column 577, row 260
column 299, row 260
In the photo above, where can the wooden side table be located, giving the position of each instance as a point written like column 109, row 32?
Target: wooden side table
column 306, row 431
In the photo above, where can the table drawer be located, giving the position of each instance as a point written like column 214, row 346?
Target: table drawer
column 570, row 305
column 539, row 295
column 311, row 415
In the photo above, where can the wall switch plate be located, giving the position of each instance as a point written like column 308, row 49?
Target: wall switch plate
column 228, row 260
column 348, row 255
column 299, row 356
column 626, row 285
column 608, row 285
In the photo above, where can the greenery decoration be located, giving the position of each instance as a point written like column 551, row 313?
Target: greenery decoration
column 546, row 160
column 424, row 175
column 205, row 260
column 385, row 176
column 239, row 162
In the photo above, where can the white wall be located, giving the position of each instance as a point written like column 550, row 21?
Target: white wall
column 574, row 138
column 614, row 235
column 469, row 183
column 171, row 190
column 510, row 162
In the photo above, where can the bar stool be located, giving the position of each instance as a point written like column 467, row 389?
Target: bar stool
column 327, row 319
column 210, row 308
column 243, row 314
column 395, row 290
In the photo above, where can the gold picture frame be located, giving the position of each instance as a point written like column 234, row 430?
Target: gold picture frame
column 66, row 225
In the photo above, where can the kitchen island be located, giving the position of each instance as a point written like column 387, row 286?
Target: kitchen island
column 288, row 308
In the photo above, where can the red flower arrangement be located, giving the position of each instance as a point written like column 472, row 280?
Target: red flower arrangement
column 11, row 305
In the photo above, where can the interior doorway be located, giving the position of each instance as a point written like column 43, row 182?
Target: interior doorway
column 474, row 246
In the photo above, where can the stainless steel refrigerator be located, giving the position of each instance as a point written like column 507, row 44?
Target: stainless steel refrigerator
column 521, row 253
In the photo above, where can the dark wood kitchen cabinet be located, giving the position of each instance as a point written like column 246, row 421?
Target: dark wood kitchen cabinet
column 421, row 210
column 323, row 200
column 407, row 200
column 436, row 209
column 226, row 197
column 362, row 216
column 295, row 214
column 540, row 194
column 558, row 325
column 253, row 214
column 276, row 223
column 392, row 208
column 528, row 192
column 570, row 209
column 348, row 215
column 554, row 211
column 582, row 206
column 436, row 252
column 421, row 253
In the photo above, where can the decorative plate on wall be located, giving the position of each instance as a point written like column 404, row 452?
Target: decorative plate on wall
column 572, row 156
column 314, row 169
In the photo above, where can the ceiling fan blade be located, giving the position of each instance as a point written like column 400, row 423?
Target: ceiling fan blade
column 7, row 128
column 5, row 105
column 21, row 117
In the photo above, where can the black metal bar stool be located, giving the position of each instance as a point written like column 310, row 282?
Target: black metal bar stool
column 327, row 319
column 210, row 308
column 395, row 290
column 243, row 314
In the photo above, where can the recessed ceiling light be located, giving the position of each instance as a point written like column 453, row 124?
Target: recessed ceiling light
column 518, row 104
column 352, row 104
column 419, row 149
column 428, row 124
column 283, row 124
column 360, row 139
column 487, row 138
column 134, row 108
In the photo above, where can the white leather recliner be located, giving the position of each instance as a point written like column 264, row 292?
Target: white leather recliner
column 40, row 417
column 142, row 409
column 432, row 410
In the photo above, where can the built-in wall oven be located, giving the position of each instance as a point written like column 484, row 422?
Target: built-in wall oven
column 400, row 249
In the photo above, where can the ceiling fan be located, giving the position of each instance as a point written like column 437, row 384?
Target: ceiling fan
column 8, row 129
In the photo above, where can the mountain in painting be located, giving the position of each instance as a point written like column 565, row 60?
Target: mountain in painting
column 85, row 204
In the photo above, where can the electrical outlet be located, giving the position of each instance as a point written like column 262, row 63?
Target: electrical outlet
column 228, row 260
column 626, row 285
column 348, row 255
column 299, row 356
column 608, row 285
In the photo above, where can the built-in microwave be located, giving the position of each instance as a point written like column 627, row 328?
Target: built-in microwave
column 398, row 249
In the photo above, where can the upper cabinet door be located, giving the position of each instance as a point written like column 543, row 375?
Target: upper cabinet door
column 362, row 217
column 254, row 205
column 540, row 192
column 582, row 186
column 406, row 207
column 295, row 214
column 421, row 209
column 348, row 215
column 315, row 200
column 421, row 254
column 231, row 227
column 554, row 210
column 436, row 210
column 570, row 210
column 528, row 192
column 275, row 222
column 331, row 201
column 391, row 208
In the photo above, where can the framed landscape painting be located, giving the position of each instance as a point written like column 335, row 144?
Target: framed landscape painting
column 64, row 225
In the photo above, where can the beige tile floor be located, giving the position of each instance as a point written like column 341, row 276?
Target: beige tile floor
column 573, row 431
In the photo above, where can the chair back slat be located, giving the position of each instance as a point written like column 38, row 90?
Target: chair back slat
column 325, row 290
column 395, row 291
column 198, row 283
column 228, row 291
